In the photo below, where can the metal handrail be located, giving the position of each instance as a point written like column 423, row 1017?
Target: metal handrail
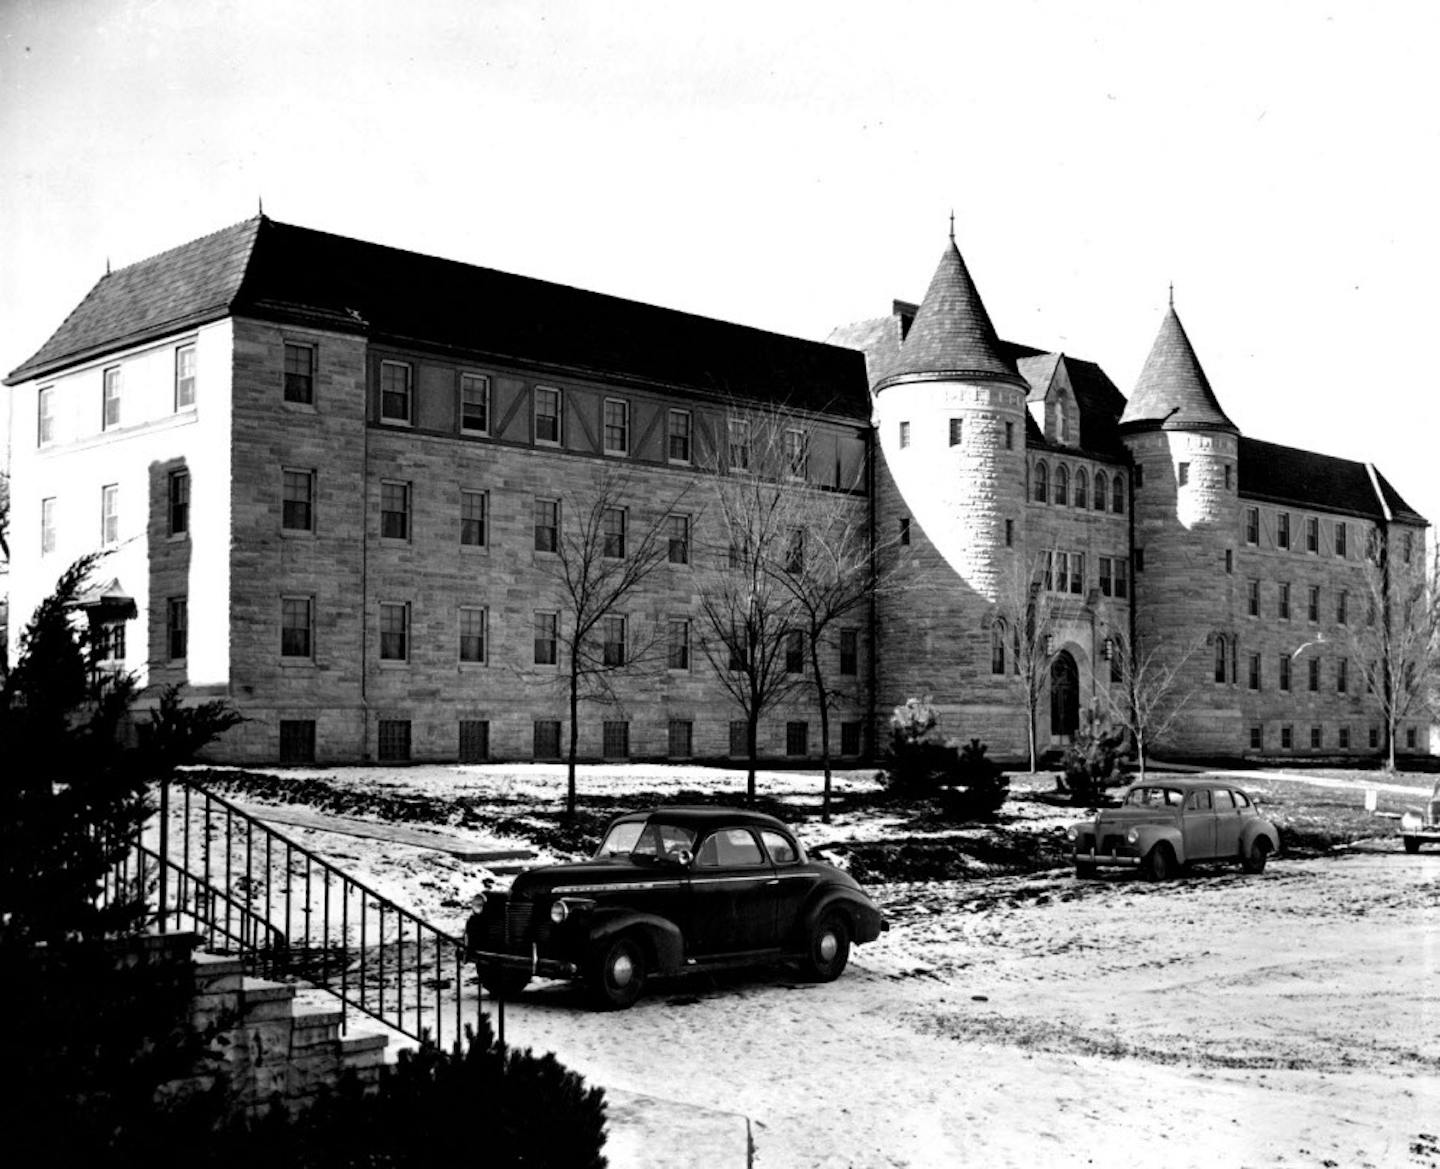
column 280, row 906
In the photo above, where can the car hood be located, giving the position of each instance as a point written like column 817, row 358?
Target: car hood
column 1122, row 818
column 595, row 876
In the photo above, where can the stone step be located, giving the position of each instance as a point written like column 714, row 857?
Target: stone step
column 262, row 1001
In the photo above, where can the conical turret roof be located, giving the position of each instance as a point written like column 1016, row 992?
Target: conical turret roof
column 951, row 337
column 1173, row 391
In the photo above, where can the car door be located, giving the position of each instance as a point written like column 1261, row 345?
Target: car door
column 1227, row 824
column 791, row 885
column 1198, row 825
column 732, row 895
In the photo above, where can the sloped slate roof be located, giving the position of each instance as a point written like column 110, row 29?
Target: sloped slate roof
column 1099, row 400
column 1172, row 390
column 952, row 335
column 1282, row 474
column 279, row 272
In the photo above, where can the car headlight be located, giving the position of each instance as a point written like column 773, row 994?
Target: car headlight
column 559, row 912
column 1073, row 831
column 477, row 903
column 1132, row 836
column 1411, row 822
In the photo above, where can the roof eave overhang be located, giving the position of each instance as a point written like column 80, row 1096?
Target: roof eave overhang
column 1140, row 425
column 954, row 375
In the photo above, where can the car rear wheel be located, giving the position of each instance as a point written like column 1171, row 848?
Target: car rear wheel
column 1412, row 844
column 1254, row 860
column 829, row 949
column 618, row 974
column 1160, row 863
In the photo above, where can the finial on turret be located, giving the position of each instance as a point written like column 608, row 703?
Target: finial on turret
column 952, row 225
column 107, row 265
column 260, row 205
column 1172, row 294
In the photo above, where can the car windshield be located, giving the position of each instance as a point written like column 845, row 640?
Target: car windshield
column 1154, row 797
column 645, row 838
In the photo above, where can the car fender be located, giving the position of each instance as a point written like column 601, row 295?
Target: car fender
column 667, row 944
column 866, row 921
column 1152, row 834
column 1259, row 828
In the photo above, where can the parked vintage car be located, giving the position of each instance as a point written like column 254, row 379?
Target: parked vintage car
column 668, row 890
column 1165, row 824
column 1422, row 825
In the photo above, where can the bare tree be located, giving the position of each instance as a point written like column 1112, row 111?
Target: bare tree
column 1396, row 648
column 600, row 563
column 1026, row 609
column 1152, row 691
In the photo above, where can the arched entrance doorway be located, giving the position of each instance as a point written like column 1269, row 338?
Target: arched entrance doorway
column 1064, row 696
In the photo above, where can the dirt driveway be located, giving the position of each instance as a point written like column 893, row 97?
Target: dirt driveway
column 1290, row 1019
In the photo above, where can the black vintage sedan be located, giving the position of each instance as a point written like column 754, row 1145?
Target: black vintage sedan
column 669, row 890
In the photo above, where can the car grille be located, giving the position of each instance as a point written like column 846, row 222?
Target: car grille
column 517, row 921
column 1112, row 842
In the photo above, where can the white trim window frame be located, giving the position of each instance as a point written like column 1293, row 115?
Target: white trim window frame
column 474, row 639
column 109, row 515
column 615, row 427
column 548, row 411
column 110, row 393
column 45, row 416
column 185, row 377
column 48, row 507
column 297, row 499
column 394, row 631
column 474, row 519
column 474, row 403
column 297, row 379
column 297, row 628
column 397, row 393
column 396, row 493
column 681, row 437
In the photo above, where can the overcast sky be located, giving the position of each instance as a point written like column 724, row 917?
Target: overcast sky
column 792, row 167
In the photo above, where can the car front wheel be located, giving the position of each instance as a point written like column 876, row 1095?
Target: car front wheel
column 618, row 974
column 1160, row 863
column 829, row 949
column 1254, row 860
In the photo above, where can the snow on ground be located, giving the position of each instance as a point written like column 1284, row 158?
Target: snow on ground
column 1289, row 1019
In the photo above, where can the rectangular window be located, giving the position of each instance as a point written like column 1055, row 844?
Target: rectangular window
column 612, row 640
column 394, row 740
column 1254, row 671
column 1252, row 597
column 1317, row 738
column 1342, row 675
column 177, row 628
column 1314, row 675
column 1284, row 606
column 547, row 627
column 957, row 430
column 1409, row 547
column 47, row 526
column 737, row 652
column 394, row 510
column 548, row 428
column 1284, row 671
column 547, row 738
column 904, row 435
column 850, row 734
column 547, row 525
column 297, row 740
column 1122, row 578
column 1229, row 476
column 617, row 427
column 472, row 634
column 1221, row 674
column 45, row 416
column 1252, row 525
column 1282, row 530
column 179, row 503
column 615, row 740
column 849, row 652
column 1184, row 474
column 797, row 738
column 297, row 503
column 473, row 513
column 1412, row 738
column 1342, row 604
column 1229, row 561
column 1374, row 738
column 677, row 656
column 395, row 391
column 1077, row 572
column 1312, row 607
column 1342, row 539
column 297, row 627
column 739, row 738
column 1139, row 554
column 1312, row 534
column 613, row 522
column 299, row 373
column 796, row 449
column 394, row 632
column 679, row 438
column 184, row 377
column 1009, row 436
column 1139, row 485
column 1117, row 663
column 681, row 739
column 794, row 651
column 1287, row 738
column 1009, row 533
column 1047, row 572
column 905, row 529
column 1344, row 734
column 795, row 551
column 474, row 740
column 739, row 432
column 474, row 403
column 112, row 641
column 1257, row 738
column 677, row 536
column 109, row 514
column 110, row 405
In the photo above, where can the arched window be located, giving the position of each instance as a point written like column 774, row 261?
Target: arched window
column 1082, row 499
column 1062, row 484
column 998, row 634
column 1221, row 657
column 1117, row 496
column 1042, row 483
column 1102, row 485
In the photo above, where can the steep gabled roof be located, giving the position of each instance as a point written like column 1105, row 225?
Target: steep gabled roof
column 952, row 336
column 1173, row 391
column 1280, row 474
column 293, row 274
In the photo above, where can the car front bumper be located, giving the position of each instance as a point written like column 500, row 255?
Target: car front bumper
column 535, row 965
column 1107, row 860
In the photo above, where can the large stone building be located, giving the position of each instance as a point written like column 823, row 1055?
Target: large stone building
column 329, row 476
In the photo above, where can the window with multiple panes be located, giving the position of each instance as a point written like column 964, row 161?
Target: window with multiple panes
column 795, row 447
column 678, row 448
column 473, row 513
column 617, row 426
column 1117, row 495
column 394, row 631
column 1284, row 603
column 739, row 435
column 612, row 640
column 184, row 377
column 547, row 628
column 615, row 740
column 1102, row 486
column 109, row 514
column 299, row 373
column 1041, row 483
column 680, row 739
column 474, row 740
column 475, row 403
column 178, row 518
column 45, row 416
column 849, row 652
column 110, row 398
column 297, row 627
column 957, row 430
column 794, row 651
column 472, row 633
column 548, row 428
column 395, row 391
column 1062, row 484
column 850, row 741
column 797, row 738
column 297, row 740
column 904, row 435
column 1312, row 607
column 394, row 510
column 1068, row 572
column 1252, row 597
column 177, row 628
column 1252, row 525
column 677, row 538
column 47, row 525
column 677, row 650
column 1282, row 530
column 1284, row 671
column 1342, row 539
column 111, row 647
column 612, row 522
column 394, row 740
column 1312, row 534
column 1254, row 671
column 547, row 525
column 547, row 738
column 297, row 502
column 1082, row 489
